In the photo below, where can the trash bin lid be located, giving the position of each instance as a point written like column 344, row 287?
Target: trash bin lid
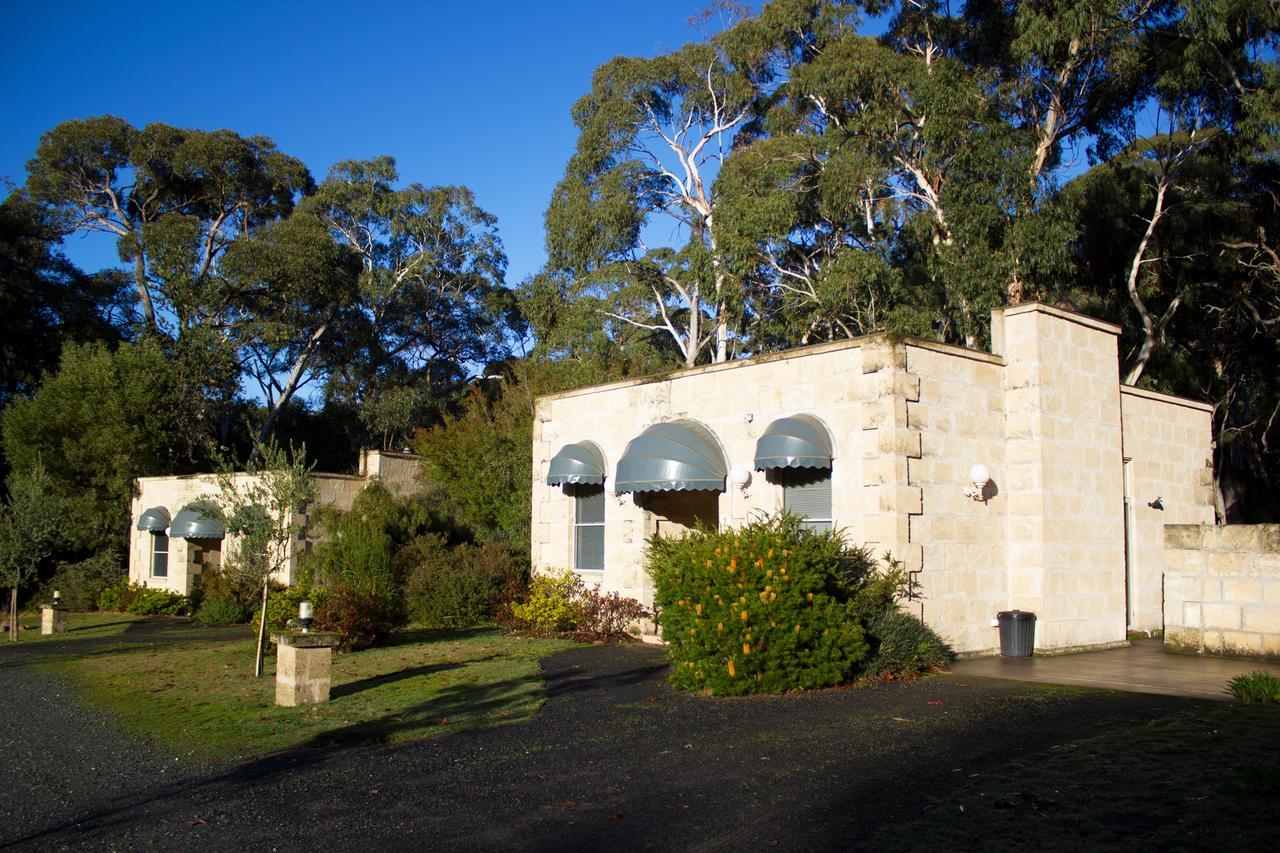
column 1016, row 615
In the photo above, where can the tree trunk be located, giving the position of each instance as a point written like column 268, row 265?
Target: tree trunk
column 262, row 628
column 291, row 385
column 13, row 614
column 144, row 293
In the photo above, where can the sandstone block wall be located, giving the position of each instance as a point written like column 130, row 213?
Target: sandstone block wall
column 1166, row 456
column 1222, row 589
column 1045, row 413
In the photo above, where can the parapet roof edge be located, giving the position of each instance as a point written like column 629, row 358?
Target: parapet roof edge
column 1135, row 391
column 1070, row 316
column 782, row 355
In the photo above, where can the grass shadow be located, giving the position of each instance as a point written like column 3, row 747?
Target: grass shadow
column 437, row 635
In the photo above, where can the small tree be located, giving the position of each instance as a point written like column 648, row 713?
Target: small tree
column 31, row 528
column 260, row 507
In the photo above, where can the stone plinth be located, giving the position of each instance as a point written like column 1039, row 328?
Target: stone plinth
column 303, row 662
column 53, row 620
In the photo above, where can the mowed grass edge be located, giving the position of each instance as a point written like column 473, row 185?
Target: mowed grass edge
column 198, row 694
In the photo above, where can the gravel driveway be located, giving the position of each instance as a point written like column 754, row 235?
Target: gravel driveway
column 614, row 760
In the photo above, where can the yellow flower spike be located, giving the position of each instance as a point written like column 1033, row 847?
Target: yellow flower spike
column 733, row 564
column 764, row 596
column 719, row 627
column 698, row 608
column 773, row 596
column 746, row 649
column 732, row 672
column 744, row 616
column 708, row 564
column 797, row 629
column 770, row 554
column 809, row 596
column 769, row 573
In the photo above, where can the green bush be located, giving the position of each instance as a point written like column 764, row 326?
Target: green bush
column 1257, row 687
column 156, row 602
column 282, row 604
column 455, row 587
column 218, row 611
column 117, row 597
column 551, row 606
column 82, row 583
column 903, row 646
column 761, row 609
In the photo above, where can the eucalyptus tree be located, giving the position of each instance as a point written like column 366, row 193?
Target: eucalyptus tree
column 175, row 199
column 653, row 134
column 429, row 302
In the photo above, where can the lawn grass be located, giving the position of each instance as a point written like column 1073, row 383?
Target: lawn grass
column 198, row 693
column 80, row 626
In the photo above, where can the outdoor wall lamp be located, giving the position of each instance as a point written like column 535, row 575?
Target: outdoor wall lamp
column 1158, row 503
column 740, row 478
column 304, row 616
column 979, row 479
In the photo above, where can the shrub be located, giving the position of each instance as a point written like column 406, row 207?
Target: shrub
column 362, row 619
column 282, row 604
column 82, row 583
column 1257, row 687
column 117, row 597
column 455, row 587
column 157, row 602
column 903, row 646
column 605, row 617
column 551, row 605
column 761, row 609
column 218, row 611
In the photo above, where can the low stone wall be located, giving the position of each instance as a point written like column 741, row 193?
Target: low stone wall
column 1222, row 589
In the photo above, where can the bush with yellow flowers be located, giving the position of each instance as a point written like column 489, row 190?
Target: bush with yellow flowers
column 765, row 608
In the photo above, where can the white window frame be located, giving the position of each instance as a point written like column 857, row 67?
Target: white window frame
column 578, row 495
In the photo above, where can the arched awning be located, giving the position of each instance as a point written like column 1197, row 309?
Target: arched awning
column 154, row 520
column 192, row 523
column 800, row 441
column 675, row 456
column 581, row 462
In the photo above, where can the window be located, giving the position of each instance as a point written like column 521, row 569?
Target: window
column 588, row 528
column 159, row 555
column 806, row 492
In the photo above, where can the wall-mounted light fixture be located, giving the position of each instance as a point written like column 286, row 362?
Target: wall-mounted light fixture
column 1158, row 503
column 740, row 478
column 979, row 479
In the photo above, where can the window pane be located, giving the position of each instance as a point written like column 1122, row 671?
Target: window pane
column 589, row 504
column 160, row 556
column 588, row 547
column 807, row 493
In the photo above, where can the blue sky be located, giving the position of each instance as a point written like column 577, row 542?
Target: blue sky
column 459, row 93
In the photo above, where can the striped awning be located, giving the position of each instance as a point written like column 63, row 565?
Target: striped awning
column 800, row 441
column 676, row 456
column 193, row 523
column 580, row 462
column 154, row 520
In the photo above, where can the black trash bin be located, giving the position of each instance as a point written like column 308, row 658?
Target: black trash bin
column 1017, row 633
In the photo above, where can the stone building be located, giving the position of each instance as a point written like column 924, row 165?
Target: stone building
column 1026, row 478
column 171, row 542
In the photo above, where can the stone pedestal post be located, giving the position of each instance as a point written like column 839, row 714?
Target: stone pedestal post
column 53, row 620
column 302, row 666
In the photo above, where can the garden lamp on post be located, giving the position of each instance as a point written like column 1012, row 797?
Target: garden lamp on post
column 304, row 616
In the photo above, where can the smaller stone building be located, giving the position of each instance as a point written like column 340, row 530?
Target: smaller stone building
column 1025, row 478
column 171, row 542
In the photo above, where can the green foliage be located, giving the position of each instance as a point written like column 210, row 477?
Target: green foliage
column 602, row 617
column 82, row 582
column 362, row 619
column 219, row 611
column 903, row 646
column 484, row 454
column 117, row 597
column 156, row 602
column 1257, row 687
column 456, row 587
column 755, row 610
column 551, row 606
column 282, row 605
column 32, row 523
column 102, row 420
